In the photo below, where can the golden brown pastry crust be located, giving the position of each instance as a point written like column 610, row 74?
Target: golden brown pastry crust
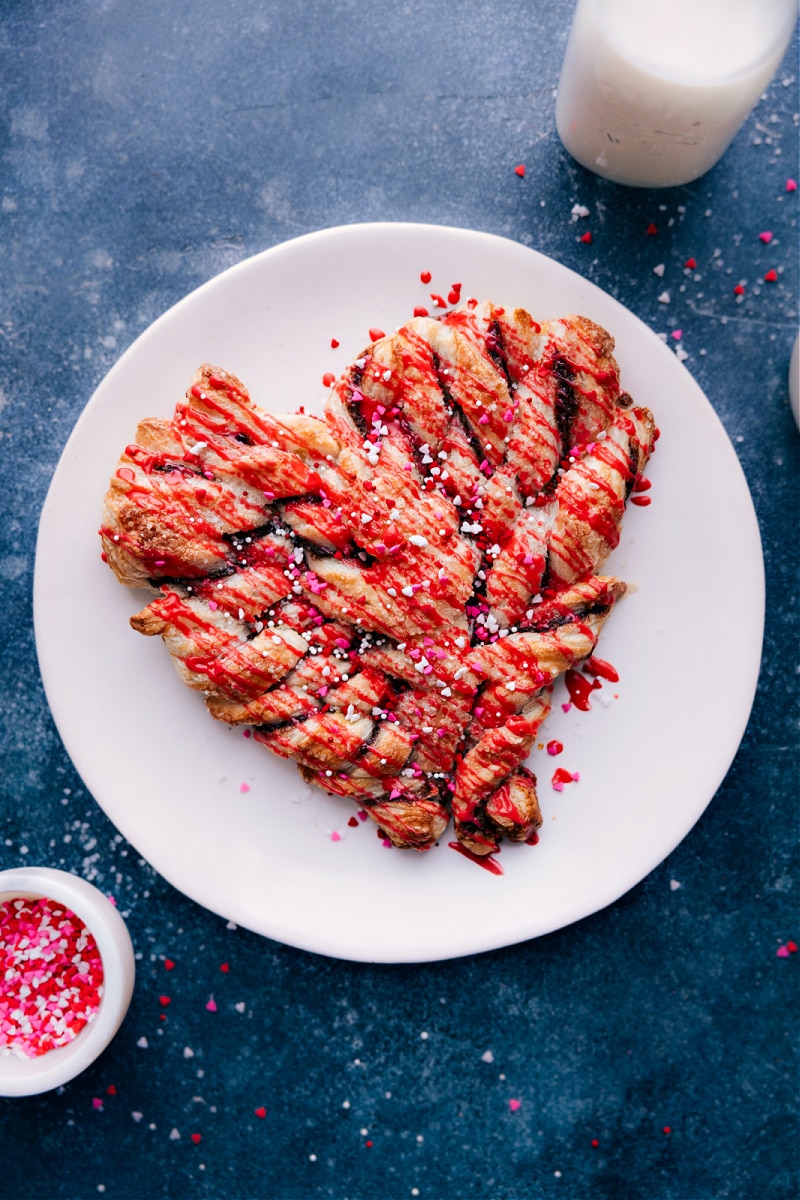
column 387, row 595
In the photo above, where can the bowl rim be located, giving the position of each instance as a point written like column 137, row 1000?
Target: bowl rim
column 31, row 1076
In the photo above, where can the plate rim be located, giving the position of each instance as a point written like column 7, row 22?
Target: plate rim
column 254, row 262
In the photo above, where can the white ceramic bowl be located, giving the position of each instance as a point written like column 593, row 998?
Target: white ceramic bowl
column 30, row 1076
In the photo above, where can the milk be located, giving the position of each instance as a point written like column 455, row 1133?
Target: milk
column 653, row 91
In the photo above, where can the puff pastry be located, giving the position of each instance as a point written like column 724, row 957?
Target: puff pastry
column 387, row 595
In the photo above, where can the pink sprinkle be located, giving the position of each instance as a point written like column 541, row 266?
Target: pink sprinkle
column 566, row 707
column 336, row 837
column 514, row 1105
column 508, row 415
column 408, row 466
column 362, row 816
column 576, row 775
column 782, row 952
column 244, row 787
column 246, row 733
column 677, row 334
column 484, row 420
column 212, row 604
column 212, row 1004
column 766, row 237
column 394, row 794
column 52, row 976
column 558, row 785
column 387, row 843
column 791, row 185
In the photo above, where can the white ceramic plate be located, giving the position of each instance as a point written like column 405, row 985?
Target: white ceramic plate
column 170, row 777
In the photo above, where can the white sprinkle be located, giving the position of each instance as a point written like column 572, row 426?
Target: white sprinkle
column 142, row 1043
column 659, row 270
column 674, row 885
column 487, row 1056
column 664, row 298
column 417, row 539
column 188, row 1052
column 408, row 591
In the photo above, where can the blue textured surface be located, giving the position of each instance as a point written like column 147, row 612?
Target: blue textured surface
column 145, row 147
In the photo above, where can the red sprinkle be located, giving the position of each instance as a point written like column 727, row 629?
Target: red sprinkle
column 586, row 237
column 562, row 776
column 791, row 185
column 765, row 237
column 52, row 976
column 771, row 276
column 419, row 311
column 425, row 276
column 554, row 748
column 642, row 501
column 328, row 380
column 520, row 170
column 691, row 263
column 376, row 334
column 224, row 968
column 197, row 1138
column 651, row 229
column 168, row 964
column 334, row 343
column 260, row 1112
column 164, row 1001
column 738, row 290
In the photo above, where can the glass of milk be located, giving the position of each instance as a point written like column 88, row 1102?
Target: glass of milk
column 653, row 91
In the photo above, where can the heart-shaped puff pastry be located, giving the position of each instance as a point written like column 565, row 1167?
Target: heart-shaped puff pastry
column 387, row 594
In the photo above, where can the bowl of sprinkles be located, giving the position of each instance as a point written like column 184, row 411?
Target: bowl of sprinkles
column 66, row 977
